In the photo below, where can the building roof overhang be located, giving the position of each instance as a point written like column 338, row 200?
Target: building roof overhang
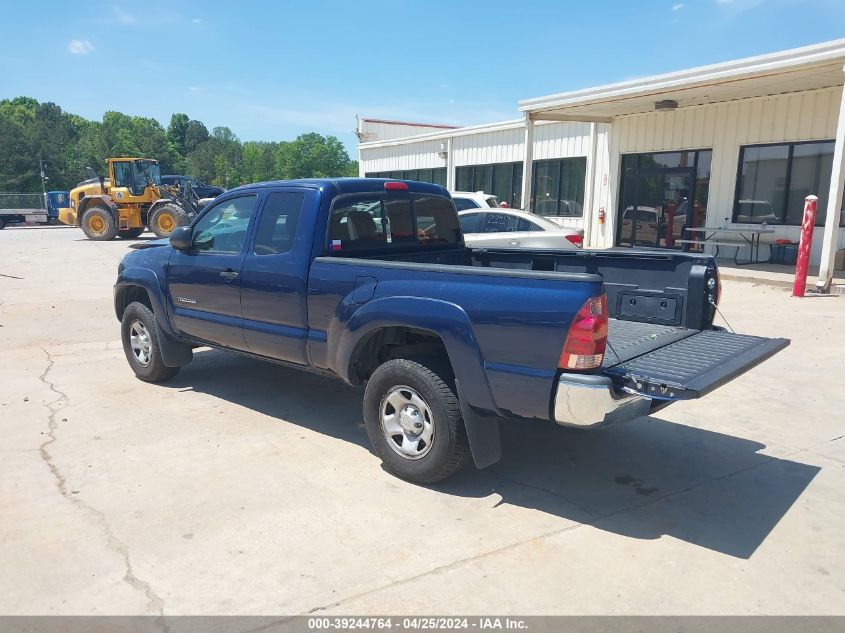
column 808, row 68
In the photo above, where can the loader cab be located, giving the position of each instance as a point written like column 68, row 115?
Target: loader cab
column 130, row 178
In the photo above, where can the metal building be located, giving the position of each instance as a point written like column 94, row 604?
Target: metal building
column 732, row 144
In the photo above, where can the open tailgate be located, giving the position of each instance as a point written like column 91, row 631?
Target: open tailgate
column 692, row 366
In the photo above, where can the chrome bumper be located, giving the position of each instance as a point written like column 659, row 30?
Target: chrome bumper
column 586, row 401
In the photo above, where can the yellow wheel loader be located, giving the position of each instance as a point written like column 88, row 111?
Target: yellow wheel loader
column 129, row 200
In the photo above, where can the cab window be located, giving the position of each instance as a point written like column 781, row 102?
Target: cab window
column 223, row 229
column 374, row 221
column 122, row 174
column 277, row 225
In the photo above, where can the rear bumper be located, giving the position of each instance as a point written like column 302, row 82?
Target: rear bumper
column 586, row 401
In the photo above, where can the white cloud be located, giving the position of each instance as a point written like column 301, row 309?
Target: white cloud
column 80, row 47
column 678, row 6
column 122, row 17
column 197, row 20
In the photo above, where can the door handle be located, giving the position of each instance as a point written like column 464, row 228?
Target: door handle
column 229, row 274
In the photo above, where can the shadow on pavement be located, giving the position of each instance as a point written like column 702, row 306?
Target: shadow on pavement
column 643, row 479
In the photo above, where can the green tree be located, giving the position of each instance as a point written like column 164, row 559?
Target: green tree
column 15, row 164
column 259, row 161
column 312, row 156
column 176, row 133
column 195, row 135
column 87, row 151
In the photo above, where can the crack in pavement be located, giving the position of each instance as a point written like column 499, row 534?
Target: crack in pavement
column 155, row 603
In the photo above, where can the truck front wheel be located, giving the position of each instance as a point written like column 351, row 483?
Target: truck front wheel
column 140, row 344
column 414, row 422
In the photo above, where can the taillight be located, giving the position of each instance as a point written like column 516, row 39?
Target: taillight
column 576, row 238
column 587, row 338
column 395, row 186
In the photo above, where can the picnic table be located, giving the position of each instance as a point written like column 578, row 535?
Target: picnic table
column 720, row 236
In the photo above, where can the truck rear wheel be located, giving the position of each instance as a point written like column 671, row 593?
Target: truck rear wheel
column 141, row 346
column 166, row 218
column 130, row 234
column 2, row 224
column 98, row 224
column 414, row 422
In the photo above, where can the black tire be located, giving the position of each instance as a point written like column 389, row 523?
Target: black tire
column 2, row 224
column 98, row 224
column 130, row 234
column 449, row 447
column 154, row 370
column 166, row 218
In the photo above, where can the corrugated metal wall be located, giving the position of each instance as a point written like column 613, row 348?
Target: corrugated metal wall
column 499, row 146
column 418, row 155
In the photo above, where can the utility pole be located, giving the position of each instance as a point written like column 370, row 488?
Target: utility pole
column 43, row 182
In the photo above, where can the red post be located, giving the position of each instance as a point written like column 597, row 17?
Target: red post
column 806, row 244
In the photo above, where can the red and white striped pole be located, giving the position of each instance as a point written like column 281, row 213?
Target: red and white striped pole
column 806, row 244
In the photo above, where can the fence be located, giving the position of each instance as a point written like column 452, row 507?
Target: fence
column 22, row 202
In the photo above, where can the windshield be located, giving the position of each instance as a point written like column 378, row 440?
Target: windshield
column 146, row 170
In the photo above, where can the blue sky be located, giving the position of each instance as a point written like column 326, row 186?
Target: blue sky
column 272, row 70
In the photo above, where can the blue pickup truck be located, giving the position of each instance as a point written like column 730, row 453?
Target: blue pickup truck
column 368, row 280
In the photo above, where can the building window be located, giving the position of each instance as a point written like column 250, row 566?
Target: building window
column 436, row 176
column 559, row 187
column 773, row 181
column 503, row 180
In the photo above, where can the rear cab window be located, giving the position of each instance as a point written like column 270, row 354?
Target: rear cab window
column 375, row 221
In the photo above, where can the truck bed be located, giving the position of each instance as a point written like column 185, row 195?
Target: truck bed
column 661, row 340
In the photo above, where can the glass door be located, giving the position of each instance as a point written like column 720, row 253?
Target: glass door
column 674, row 207
column 662, row 193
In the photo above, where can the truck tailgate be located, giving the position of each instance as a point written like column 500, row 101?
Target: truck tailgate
column 690, row 366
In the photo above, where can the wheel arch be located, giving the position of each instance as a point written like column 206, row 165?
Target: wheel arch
column 144, row 286
column 99, row 200
column 432, row 323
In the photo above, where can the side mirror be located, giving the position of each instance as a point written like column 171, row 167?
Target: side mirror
column 180, row 238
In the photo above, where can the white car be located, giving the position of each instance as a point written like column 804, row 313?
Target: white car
column 513, row 228
column 474, row 200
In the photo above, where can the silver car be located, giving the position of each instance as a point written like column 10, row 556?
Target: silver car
column 512, row 228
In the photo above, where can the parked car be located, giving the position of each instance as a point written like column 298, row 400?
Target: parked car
column 651, row 225
column 445, row 340
column 505, row 228
column 474, row 200
column 203, row 190
column 756, row 212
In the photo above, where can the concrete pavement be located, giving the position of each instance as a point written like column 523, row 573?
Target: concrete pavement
column 242, row 487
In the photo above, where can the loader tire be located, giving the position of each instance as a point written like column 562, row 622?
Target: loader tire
column 98, row 224
column 166, row 218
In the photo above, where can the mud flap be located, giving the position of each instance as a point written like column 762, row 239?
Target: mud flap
column 173, row 353
column 485, row 439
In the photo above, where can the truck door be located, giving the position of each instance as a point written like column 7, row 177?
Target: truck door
column 274, row 278
column 204, row 284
